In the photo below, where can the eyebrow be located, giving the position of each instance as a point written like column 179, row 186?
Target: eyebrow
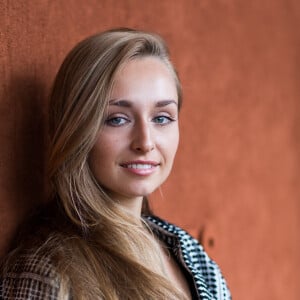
column 127, row 103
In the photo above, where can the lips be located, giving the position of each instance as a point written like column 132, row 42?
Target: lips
column 140, row 167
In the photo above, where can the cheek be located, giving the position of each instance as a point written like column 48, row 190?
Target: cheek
column 175, row 138
column 94, row 160
column 175, row 143
column 100, row 160
column 98, row 154
column 170, row 145
column 106, row 150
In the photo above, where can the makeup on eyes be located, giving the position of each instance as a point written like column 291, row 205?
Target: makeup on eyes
column 128, row 103
column 121, row 112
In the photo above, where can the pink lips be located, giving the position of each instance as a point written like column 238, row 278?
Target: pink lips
column 139, row 167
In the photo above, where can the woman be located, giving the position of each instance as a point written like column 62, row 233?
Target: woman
column 114, row 134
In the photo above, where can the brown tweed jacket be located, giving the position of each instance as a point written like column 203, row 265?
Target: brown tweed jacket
column 34, row 277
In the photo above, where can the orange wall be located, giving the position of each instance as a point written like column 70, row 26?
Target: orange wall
column 235, row 183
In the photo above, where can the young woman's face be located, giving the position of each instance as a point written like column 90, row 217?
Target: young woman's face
column 135, row 148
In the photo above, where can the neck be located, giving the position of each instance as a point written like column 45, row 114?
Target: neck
column 133, row 206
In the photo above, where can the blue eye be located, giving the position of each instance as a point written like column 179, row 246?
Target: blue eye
column 162, row 120
column 116, row 121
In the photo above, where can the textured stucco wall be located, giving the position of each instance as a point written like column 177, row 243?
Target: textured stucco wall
column 235, row 183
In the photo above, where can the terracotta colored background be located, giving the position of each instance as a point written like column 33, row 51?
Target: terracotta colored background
column 235, row 184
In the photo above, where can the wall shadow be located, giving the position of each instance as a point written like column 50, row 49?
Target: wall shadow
column 26, row 96
column 30, row 142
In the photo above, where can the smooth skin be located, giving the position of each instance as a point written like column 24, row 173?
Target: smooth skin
column 135, row 149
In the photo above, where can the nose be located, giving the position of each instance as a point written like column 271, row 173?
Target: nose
column 142, row 141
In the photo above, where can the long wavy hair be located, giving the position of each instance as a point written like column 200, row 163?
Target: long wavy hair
column 102, row 252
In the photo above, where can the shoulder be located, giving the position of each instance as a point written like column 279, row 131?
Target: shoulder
column 28, row 275
column 187, row 242
column 206, row 272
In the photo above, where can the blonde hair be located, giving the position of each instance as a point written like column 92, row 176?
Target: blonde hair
column 108, row 254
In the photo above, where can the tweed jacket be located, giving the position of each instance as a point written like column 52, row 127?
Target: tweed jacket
column 34, row 277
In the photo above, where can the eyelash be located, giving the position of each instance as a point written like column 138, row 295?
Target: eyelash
column 169, row 120
column 110, row 121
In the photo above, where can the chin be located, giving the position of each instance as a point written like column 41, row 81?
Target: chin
column 140, row 192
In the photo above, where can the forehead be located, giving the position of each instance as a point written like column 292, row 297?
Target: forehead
column 147, row 62
column 147, row 76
